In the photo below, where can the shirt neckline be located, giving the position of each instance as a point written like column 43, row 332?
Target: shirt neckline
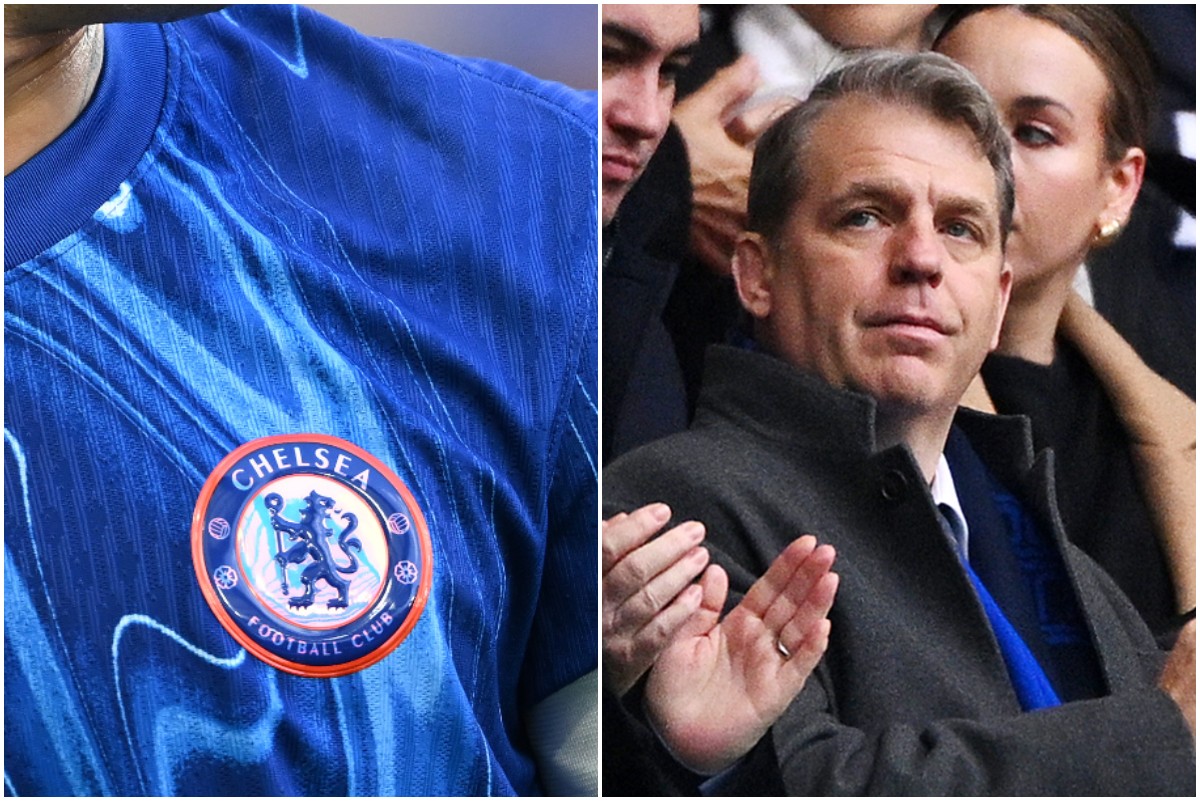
column 58, row 191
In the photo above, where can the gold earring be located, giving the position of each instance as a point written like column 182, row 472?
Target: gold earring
column 1108, row 231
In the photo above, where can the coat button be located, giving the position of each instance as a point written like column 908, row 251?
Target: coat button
column 893, row 486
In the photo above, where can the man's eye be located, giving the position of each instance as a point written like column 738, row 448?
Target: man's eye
column 961, row 230
column 1033, row 135
column 860, row 218
column 669, row 72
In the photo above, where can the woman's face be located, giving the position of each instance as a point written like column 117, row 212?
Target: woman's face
column 1050, row 94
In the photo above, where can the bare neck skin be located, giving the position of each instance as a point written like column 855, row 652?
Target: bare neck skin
column 1031, row 322
column 48, row 80
column 923, row 430
column 925, row 436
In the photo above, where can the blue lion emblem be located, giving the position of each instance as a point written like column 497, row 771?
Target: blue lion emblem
column 310, row 535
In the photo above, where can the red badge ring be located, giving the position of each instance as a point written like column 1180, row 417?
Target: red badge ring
column 312, row 553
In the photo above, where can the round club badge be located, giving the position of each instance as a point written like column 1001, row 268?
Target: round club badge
column 311, row 553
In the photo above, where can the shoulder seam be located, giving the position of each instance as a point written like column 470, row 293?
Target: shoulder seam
column 470, row 67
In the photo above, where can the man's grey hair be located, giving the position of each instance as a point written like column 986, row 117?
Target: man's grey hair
column 928, row 82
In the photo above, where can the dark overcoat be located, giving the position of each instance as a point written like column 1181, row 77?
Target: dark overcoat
column 913, row 696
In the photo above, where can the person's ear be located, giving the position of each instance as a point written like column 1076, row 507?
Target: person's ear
column 1123, row 181
column 754, row 273
column 1006, row 280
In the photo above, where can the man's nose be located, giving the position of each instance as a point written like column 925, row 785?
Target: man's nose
column 916, row 254
column 639, row 104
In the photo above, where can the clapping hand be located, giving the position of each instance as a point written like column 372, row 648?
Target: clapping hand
column 721, row 684
column 648, row 589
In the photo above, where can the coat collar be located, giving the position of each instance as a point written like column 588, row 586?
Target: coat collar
column 782, row 403
column 778, row 402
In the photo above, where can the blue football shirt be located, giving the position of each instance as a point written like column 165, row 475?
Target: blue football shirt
column 265, row 225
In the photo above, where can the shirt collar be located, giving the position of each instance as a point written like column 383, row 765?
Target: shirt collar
column 59, row 189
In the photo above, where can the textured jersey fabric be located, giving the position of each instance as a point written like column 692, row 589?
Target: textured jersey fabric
column 266, row 224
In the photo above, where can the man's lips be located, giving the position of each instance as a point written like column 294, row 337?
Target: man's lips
column 917, row 322
column 620, row 166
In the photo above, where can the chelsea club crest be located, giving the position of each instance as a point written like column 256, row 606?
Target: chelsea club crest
column 311, row 553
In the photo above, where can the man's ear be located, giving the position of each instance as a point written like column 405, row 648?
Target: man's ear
column 1123, row 182
column 1006, row 281
column 753, row 272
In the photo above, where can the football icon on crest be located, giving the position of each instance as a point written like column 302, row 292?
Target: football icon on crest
column 297, row 546
column 398, row 524
column 219, row 527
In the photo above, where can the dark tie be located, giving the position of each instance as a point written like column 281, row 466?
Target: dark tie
column 1033, row 688
column 953, row 527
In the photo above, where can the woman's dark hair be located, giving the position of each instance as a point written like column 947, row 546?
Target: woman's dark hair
column 1120, row 50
